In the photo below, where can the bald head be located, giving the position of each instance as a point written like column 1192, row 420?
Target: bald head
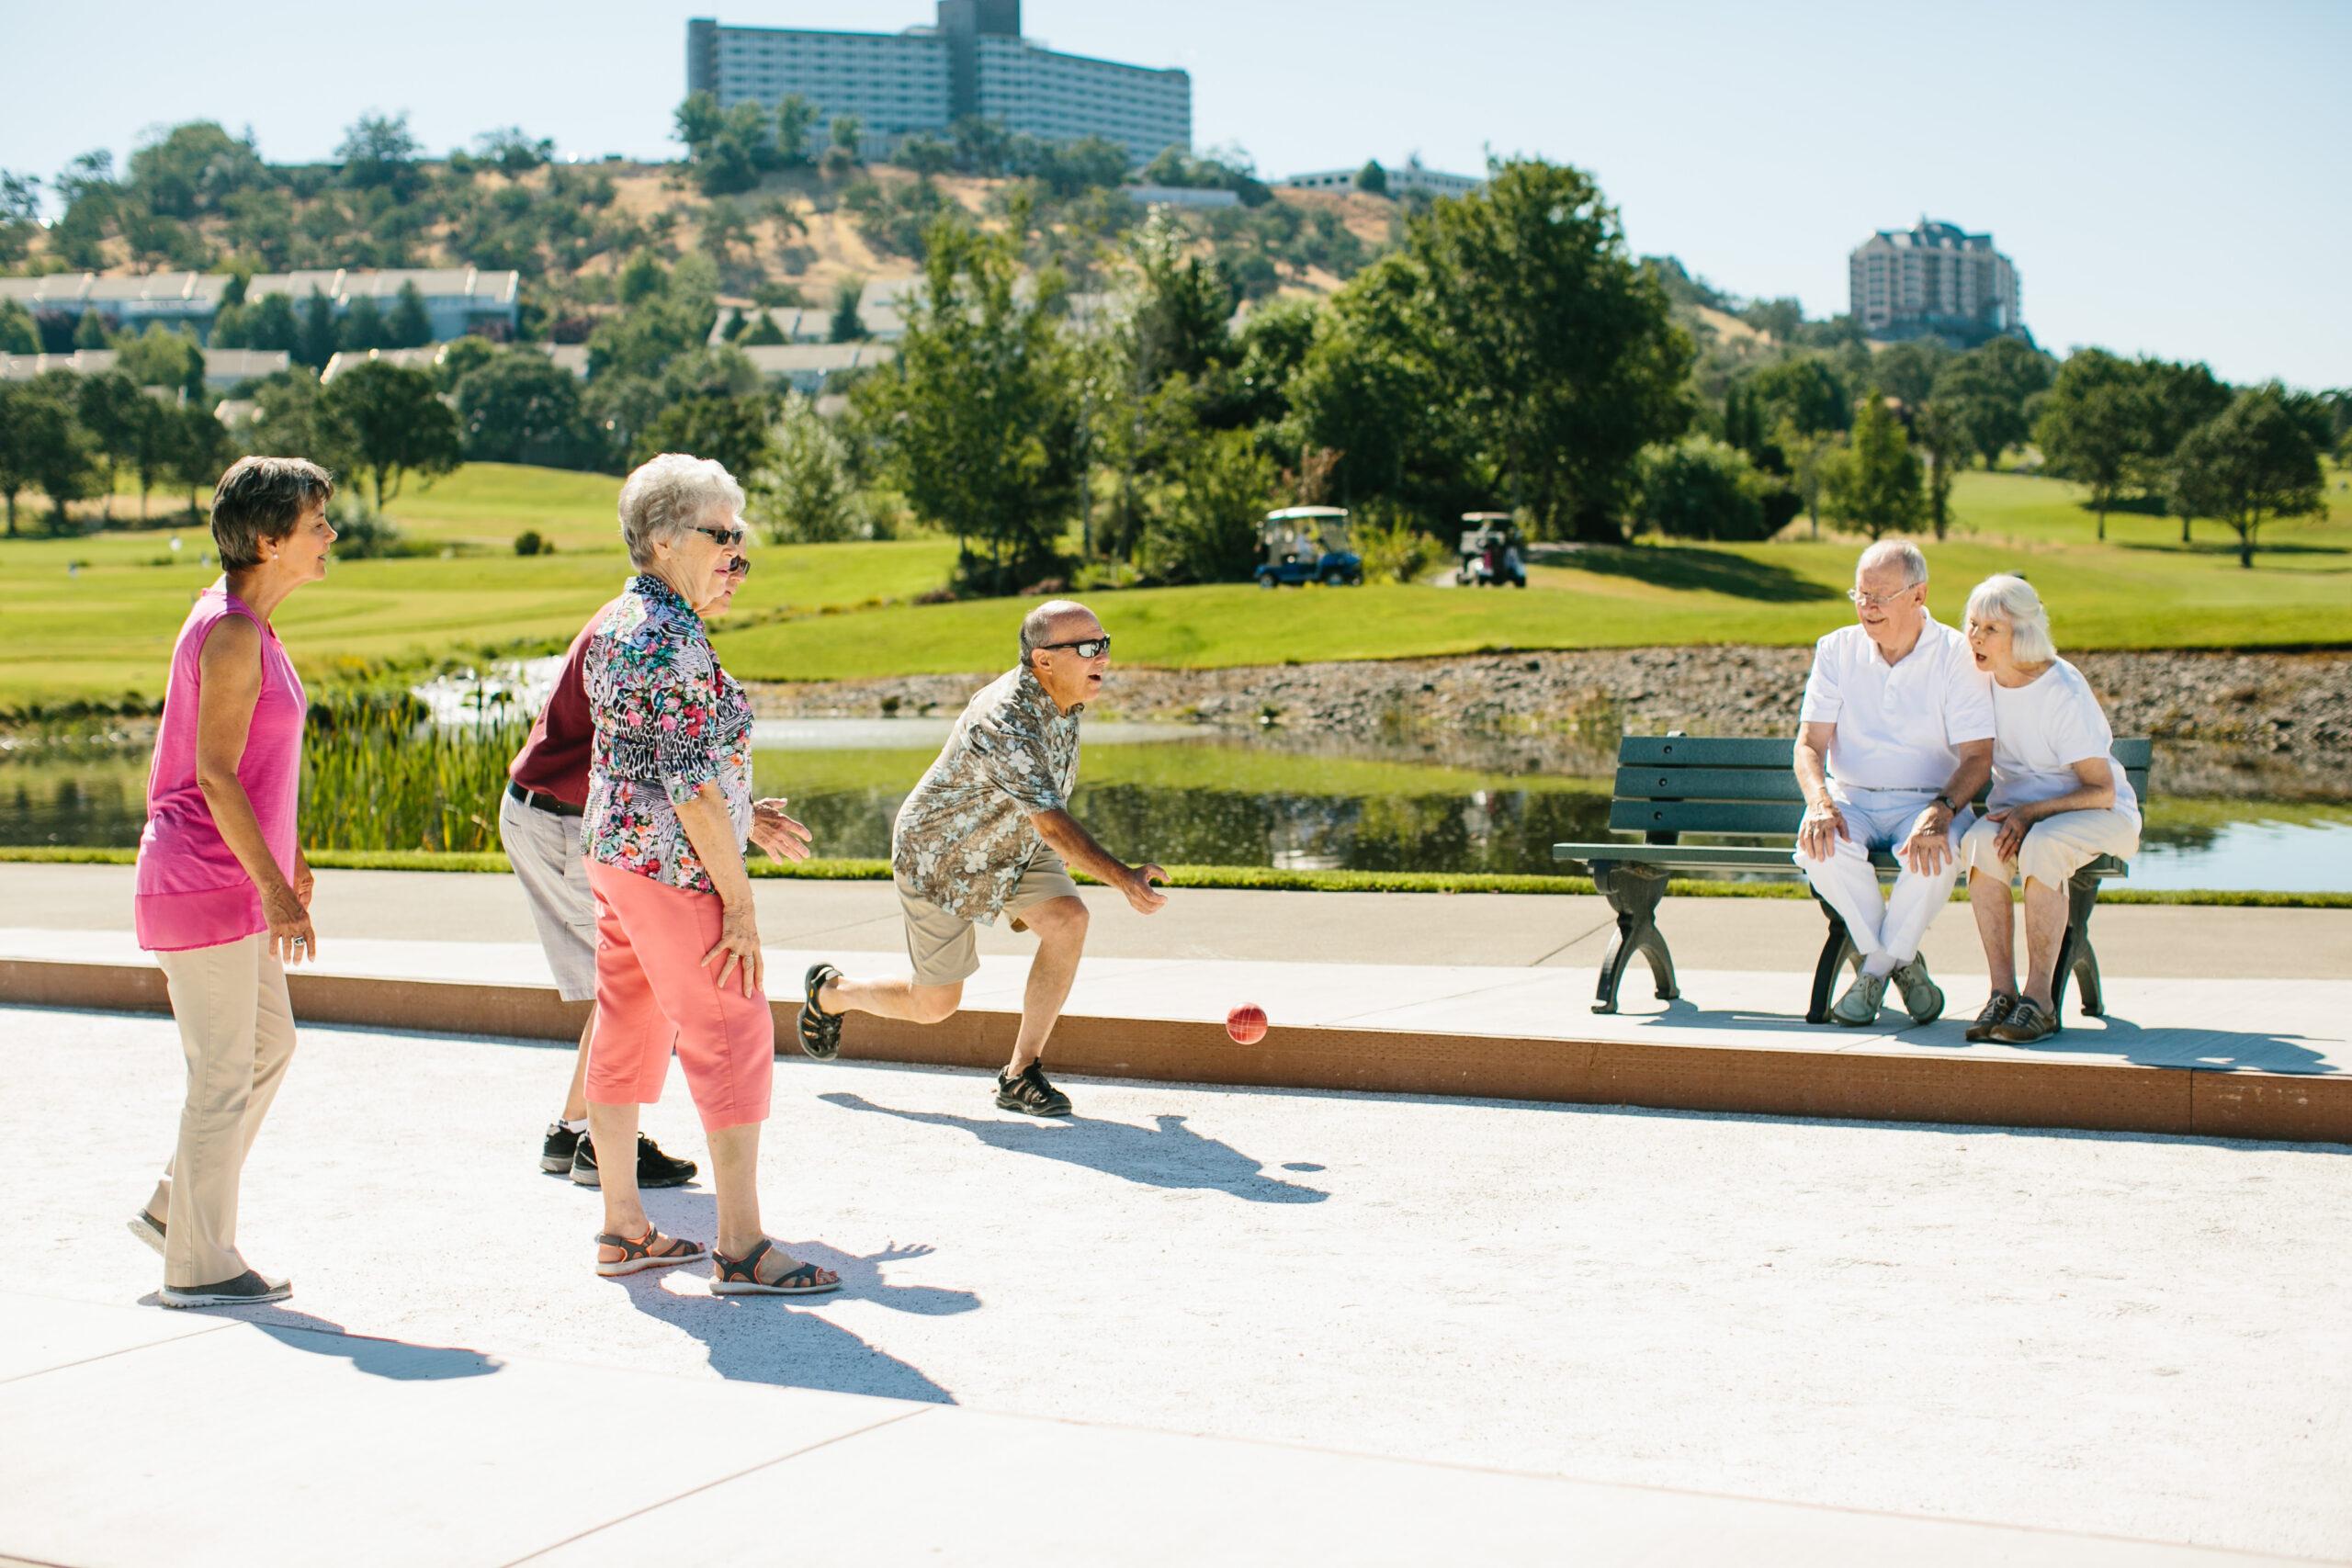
column 1051, row 621
column 1068, row 679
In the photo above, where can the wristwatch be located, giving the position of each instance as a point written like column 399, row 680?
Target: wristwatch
column 1950, row 806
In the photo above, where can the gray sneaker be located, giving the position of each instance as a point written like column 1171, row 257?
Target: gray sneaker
column 1922, row 998
column 1857, row 1009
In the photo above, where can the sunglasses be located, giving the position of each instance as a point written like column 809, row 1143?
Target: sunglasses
column 1089, row 647
column 740, row 565
column 727, row 538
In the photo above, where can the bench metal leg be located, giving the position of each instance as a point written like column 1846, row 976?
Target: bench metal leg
column 1634, row 891
column 1836, row 952
column 2076, row 959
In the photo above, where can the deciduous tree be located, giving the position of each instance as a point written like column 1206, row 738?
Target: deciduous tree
column 2092, row 426
column 398, row 425
column 1988, row 389
column 1875, row 485
column 2253, row 462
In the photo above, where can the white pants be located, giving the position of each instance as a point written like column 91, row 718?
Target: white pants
column 1887, row 929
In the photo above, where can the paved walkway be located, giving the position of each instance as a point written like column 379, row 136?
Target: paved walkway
column 1192, row 1324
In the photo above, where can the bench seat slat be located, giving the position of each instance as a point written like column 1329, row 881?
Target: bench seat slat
column 1740, row 857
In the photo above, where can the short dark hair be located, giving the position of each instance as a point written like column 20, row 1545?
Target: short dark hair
column 263, row 498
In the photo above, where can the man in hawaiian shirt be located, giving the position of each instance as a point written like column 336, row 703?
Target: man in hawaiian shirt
column 989, row 831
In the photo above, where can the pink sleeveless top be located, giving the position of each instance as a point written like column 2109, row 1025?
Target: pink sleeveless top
column 191, row 891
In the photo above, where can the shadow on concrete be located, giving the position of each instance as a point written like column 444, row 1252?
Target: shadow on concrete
column 774, row 1339
column 394, row 1358
column 862, row 1278
column 2211, row 1050
column 1170, row 1156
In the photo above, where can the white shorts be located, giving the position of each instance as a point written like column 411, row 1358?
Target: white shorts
column 2056, row 847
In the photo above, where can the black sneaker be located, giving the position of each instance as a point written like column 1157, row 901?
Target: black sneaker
column 1030, row 1094
column 555, row 1155
column 1994, row 1014
column 247, row 1288
column 654, row 1169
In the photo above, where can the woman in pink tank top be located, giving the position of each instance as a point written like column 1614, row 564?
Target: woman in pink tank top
column 223, row 893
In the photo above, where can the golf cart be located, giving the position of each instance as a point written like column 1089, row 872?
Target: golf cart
column 1490, row 551
column 1307, row 543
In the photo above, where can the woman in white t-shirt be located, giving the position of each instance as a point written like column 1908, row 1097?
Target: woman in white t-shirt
column 2058, row 802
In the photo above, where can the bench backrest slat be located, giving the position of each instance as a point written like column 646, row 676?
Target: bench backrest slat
column 1767, row 818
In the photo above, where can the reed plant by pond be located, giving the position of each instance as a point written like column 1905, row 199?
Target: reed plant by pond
column 377, row 775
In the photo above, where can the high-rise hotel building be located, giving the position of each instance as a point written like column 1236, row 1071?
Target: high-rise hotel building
column 973, row 63
column 1936, row 278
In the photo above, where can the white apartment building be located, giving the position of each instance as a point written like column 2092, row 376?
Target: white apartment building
column 1933, row 277
column 974, row 61
column 1403, row 178
column 458, row 300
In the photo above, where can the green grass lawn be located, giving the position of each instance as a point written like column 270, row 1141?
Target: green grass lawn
column 105, row 630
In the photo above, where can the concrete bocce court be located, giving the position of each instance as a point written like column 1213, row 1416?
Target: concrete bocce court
column 1199, row 1323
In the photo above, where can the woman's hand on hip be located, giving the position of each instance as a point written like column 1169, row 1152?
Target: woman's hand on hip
column 738, row 939
column 291, row 941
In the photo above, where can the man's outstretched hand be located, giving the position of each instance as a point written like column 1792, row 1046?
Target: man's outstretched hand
column 1141, row 896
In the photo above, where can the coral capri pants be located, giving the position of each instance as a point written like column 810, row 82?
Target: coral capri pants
column 652, row 988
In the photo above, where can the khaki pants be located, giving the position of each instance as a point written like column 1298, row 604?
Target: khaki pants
column 2056, row 847
column 238, row 1031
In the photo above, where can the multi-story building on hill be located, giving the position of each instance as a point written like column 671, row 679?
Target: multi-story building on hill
column 972, row 63
column 1934, row 279
column 1403, row 179
column 458, row 300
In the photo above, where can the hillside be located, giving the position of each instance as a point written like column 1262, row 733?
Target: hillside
column 568, row 228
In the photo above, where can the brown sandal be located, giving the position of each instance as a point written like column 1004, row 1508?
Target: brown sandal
column 741, row 1276
column 643, row 1254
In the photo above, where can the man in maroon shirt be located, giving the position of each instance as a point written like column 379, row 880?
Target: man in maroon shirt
column 538, row 823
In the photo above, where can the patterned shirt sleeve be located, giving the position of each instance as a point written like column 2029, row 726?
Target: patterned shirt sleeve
column 1013, row 757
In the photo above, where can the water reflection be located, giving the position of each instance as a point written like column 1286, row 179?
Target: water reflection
column 1212, row 801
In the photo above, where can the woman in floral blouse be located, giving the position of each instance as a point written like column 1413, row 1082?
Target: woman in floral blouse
column 678, row 949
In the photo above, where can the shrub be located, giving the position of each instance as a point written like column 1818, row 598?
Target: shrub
column 1700, row 488
column 531, row 542
column 1393, row 551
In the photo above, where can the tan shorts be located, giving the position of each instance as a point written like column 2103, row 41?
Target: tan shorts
column 943, row 945
column 2056, row 847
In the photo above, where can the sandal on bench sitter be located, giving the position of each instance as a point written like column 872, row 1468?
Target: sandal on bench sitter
column 643, row 1254
column 741, row 1276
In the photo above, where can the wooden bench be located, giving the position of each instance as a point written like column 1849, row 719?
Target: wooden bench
column 1672, row 784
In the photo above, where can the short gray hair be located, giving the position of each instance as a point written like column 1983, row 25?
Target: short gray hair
column 1895, row 552
column 665, row 496
column 260, row 498
column 1038, row 624
column 2013, row 599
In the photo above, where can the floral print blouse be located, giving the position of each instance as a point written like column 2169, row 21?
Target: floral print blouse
column 964, row 837
column 669, row 720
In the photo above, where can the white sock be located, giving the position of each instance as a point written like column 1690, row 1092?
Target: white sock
column 579, row 1126
column 1879, row 965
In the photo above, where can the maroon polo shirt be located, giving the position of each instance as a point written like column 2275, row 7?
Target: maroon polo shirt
column 554, row 761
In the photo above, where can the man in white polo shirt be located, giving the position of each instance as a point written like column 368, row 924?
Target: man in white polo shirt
column 1894, row 739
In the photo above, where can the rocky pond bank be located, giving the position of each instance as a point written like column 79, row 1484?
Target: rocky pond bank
column 2241, row 723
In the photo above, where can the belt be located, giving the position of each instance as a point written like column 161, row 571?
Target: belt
column 538, row 801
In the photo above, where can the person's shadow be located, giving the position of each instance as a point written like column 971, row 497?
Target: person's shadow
column 1173, row 1155
column 395, row 1359
column 766, row 1339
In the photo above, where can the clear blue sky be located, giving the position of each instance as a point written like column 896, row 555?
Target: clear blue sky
column 2169, row 177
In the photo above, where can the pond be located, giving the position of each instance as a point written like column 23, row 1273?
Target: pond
column 1177, row 795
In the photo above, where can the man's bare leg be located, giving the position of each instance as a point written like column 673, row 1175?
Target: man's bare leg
column 1988, row 899
column 891, row 998
column 1061, row 927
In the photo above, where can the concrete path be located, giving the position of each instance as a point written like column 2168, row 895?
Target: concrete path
column 1192, row 1324
column 1555, row 930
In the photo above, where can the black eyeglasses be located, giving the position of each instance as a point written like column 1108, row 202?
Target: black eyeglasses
column 739, row 567
column 1087, row 647
column 727, row 538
